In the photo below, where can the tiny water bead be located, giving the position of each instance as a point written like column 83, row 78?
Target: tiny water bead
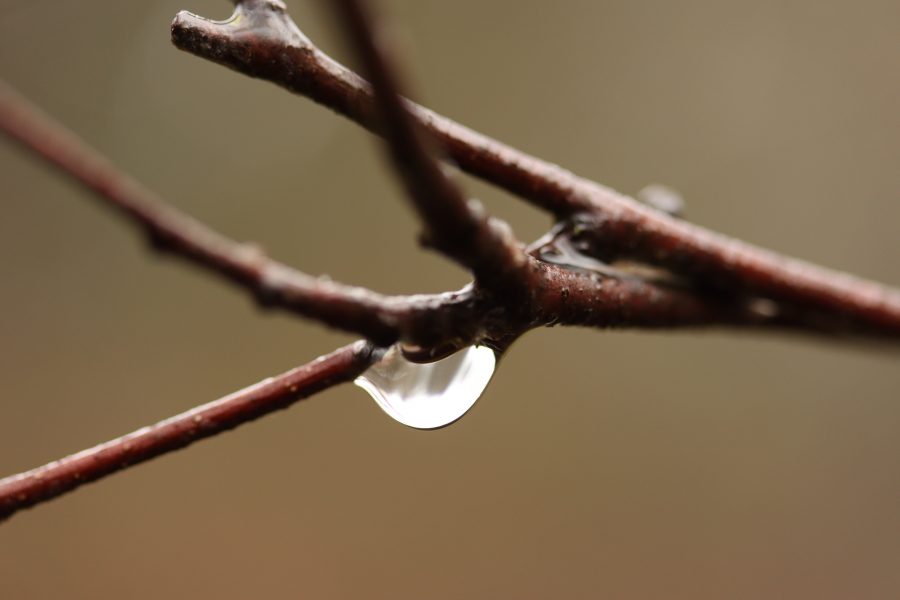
column 662, row 198
column 431, row 395
column 562, row 251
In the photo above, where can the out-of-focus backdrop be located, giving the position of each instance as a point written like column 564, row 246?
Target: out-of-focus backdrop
column 598, row 464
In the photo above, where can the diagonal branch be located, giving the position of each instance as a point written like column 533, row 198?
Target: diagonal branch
column 261, row 40
column 458, row 227
column 59, row 477
column 382, row 319
column 732, row 266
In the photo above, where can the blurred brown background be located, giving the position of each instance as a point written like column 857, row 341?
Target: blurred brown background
column 598, row 464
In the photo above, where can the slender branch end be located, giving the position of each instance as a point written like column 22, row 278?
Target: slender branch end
column 59, row 477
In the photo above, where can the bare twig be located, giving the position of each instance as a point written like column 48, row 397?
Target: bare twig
column 458, row 227
column 383, row 319
column 275, row 393
column 262, row 41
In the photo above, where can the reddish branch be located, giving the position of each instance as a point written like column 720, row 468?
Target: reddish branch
column 262, row 41
column 456, row 226
column 383, row 319
column 275, row 393
column 479, row 313
column 698, row 277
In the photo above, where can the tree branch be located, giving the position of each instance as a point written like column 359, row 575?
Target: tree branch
column 59, row 477
column 262, row 41
column 727, row 282
column 382, row 319
column 458, row 227
column 449, row 320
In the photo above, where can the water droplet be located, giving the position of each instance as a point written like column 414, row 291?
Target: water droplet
column 561, row 251
column 662, row 198
column 764, row 308
column 432, row 395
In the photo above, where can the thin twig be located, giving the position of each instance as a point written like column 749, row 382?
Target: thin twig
column 383, row 319
column 59, row 477
column 262, row 41
column 458, row 227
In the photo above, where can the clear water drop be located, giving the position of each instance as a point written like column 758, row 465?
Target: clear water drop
column 562, row 252
column 662, row 198
column 432, row 395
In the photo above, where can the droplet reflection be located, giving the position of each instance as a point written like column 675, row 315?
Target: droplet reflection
column 432, row 395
